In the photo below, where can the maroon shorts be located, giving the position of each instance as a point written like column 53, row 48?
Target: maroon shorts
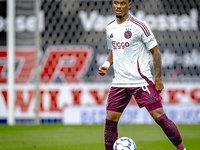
column 145, row 96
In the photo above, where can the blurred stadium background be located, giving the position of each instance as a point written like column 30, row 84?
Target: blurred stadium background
column 73, row 46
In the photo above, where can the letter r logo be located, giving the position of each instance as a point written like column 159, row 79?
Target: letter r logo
column 68, row 62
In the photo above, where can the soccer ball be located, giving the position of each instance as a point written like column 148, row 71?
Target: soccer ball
column 124, row 143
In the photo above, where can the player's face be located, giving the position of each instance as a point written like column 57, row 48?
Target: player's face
column 121, row 8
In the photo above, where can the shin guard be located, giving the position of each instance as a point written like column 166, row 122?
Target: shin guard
column 169, row 129
column 110, row 134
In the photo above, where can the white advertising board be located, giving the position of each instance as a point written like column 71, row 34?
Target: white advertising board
column 131, row 115
column 55, row 97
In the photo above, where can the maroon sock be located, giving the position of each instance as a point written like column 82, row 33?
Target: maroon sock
column 111, row 134
column 169, row 129
column 180, row 146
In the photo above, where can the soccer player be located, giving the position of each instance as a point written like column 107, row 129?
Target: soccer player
column 131, row 44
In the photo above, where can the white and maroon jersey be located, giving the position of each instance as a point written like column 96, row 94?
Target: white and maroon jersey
column 130, row 43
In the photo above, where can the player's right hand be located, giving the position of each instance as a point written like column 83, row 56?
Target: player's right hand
column 102, row 70
column 159, row 85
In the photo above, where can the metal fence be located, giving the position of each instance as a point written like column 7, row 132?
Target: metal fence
column 176, row 25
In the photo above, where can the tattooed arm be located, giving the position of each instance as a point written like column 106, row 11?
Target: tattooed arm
column 157, row 68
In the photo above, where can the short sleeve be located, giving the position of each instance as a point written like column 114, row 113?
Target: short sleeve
column 148, row 37
column 109, row 42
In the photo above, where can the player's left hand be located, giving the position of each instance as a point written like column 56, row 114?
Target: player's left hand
column 159, row 85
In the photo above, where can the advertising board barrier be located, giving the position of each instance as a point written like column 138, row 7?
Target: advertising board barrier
column 175, row 24
column 181, row 101
column 73, row 46
column 181, row 114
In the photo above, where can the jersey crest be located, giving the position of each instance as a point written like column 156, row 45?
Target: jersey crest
column 127, row 34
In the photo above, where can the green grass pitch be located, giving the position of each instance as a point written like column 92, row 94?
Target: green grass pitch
column 91, row 137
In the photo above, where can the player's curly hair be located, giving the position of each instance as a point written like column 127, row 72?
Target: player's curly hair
column 130, row 1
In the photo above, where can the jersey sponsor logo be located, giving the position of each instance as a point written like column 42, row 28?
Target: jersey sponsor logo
column 120, row 45
column 151, row 98
column 127, row 34
column 111, row 36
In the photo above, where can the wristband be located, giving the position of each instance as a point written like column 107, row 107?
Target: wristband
column 106, row 64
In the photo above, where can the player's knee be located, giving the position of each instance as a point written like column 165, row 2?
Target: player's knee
column 156, row 113
column 113, row 116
